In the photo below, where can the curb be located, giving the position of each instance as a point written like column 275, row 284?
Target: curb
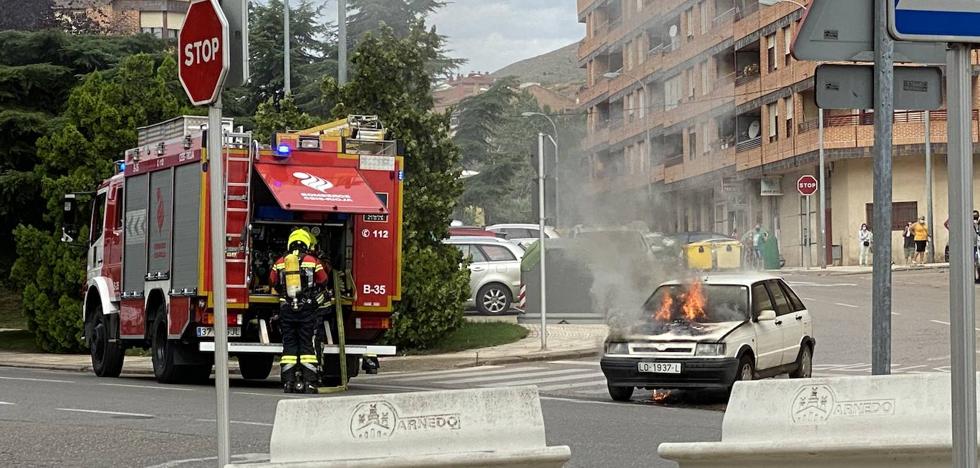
column 819, row 272
column 546, row 356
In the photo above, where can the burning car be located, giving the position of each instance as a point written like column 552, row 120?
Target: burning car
column 710, row 332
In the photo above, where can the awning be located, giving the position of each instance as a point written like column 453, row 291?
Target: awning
column 318, row 188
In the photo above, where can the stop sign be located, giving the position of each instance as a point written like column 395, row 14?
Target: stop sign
column 202, row 51
column 807, row 185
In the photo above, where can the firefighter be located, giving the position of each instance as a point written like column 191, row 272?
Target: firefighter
column 299, row 278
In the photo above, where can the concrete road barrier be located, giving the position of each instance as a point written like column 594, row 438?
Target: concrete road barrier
column 871, row 422
column 481, row 427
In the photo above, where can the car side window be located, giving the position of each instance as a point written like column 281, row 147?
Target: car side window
column 779, row 299
column 497, row 253
column 475, row 254
column 794, row 300
column 760, row 299
column 516, row 233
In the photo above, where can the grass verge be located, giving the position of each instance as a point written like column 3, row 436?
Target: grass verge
column 473, row 335
column 19, row 341
column 11, row 313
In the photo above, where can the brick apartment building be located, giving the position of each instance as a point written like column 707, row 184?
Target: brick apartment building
column 698, row 114
column 161, row 18
column 461, row 87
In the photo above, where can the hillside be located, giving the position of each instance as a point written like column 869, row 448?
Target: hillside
column 555, row 67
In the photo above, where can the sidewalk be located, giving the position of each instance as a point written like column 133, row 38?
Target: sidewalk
column 857, row 270
column 564, row 342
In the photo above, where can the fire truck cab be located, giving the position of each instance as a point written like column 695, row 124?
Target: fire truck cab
column 149, row 262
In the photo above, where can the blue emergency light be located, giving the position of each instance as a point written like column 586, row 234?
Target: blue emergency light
column 283, row 150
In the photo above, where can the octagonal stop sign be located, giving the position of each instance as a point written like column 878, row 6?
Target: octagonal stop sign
column 807, row 185
column 202, row 51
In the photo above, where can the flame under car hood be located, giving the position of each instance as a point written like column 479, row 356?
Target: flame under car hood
column 680, row 330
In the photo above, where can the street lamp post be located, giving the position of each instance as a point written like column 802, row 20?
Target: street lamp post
column 554, row 140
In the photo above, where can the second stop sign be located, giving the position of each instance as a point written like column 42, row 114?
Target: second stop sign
column 807, row 185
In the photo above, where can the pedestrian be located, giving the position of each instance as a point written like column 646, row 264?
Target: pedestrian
column 921, row 233
column 864, row 239
column 759, row 237
column 909, row 243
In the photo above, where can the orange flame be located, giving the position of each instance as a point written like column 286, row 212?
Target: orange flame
column 660, row 396
column 694, row 302
column 663, row 314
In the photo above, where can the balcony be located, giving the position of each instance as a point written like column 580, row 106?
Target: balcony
column 748, row 145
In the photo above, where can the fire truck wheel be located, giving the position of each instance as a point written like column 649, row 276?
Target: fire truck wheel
column 493, row 298
column 164, row 356
column 255, row 366
column 107, row 355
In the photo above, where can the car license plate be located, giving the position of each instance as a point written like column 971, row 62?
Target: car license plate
column 660, row 367
column 208, row 332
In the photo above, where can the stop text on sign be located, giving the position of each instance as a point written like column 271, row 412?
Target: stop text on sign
column 807, row 185
column 201, row 51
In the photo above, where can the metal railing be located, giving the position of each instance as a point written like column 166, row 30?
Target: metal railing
column 748, row 145
column 868, row 118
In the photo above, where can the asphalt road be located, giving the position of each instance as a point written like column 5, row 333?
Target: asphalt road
column 50, row 418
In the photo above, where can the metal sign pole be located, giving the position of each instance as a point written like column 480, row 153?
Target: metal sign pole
column 962, row 330
column 932, row 243
column 285, row 48
column 342, row 42
column 541, row 200
column 809, row 253
column 219, row 293
column 881, row 294
column 822, row 205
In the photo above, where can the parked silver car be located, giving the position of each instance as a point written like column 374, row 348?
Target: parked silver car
column 523, row 234
column 495, row 271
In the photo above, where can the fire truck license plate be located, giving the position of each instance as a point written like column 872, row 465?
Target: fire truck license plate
column 660, row 367
column 208, row 332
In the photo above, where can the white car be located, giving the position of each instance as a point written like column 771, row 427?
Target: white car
column 523, row 234
column 495, row 271
column 709, row 333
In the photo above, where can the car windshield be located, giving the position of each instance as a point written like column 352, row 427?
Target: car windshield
column 698, row 303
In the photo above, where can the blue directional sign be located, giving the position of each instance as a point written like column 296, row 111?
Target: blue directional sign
column 935, row 20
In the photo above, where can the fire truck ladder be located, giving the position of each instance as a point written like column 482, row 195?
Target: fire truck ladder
column 237, row 204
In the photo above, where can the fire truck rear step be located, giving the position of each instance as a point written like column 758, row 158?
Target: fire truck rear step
column 274, row 348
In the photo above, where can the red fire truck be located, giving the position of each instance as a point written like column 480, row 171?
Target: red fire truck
column 149, row 284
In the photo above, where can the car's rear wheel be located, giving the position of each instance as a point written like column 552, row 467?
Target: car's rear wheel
column 804, row 364
column 493, row 299
column 165, row 356
column 620, row 393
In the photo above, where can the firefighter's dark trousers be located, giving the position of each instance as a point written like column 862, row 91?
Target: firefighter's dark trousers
column 298, row 326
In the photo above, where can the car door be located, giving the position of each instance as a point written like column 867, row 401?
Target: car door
column 797, row 324
column 768, row 333
column 478, row 266
column 504, row 265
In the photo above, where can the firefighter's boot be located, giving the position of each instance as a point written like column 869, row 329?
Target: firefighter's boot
column 309, row 378
column 287, row 373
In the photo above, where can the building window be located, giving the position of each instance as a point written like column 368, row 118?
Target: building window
column 641, row 95
column 902, row 212
column 789, row 115
column 773, row 109
column 639, row 5
column 692, row 141
column 771, row 53
column 672, row 92
column 629, row 107
column 705, row 78
column 692, row 82
column 705, row 18
column 705, row 137
column 788, row 38
column 629, row 55
column 689, row 14
column 157, row 32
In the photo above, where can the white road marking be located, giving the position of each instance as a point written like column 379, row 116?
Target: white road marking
column 7, row 403
column 243, row 458
column 577, row 363
column 452, row 372
column 808, row 298
column 896, row 313
column 846, row 305
column 537, row 381
column 940, row 322
column 470, row 374
column 904, row 369
column 522, row 375
column 37, row 380
column 277, row 395
column 113, row 413
column 247, row 423
column 422, row 375
column 819, row 285
column 569, row 386
column 151, row 387
column 388, row 387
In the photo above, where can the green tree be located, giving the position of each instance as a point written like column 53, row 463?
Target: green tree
column 390, row 80
column 37, row 72
column 77, row 152
column 277, row 116
column 27, row 16
column 312, row 55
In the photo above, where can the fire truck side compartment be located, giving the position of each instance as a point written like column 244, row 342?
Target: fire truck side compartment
column 160, row 218
column 134, row 254
column 187, row 228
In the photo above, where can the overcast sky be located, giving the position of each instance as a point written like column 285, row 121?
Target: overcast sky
column 492, row 34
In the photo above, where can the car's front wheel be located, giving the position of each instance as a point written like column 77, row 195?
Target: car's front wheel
column 620, row 393
column 746, row 370
column 493, row 299
column 804, row 364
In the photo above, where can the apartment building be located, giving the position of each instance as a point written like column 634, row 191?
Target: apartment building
column 161, row 18
column 701, row 118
